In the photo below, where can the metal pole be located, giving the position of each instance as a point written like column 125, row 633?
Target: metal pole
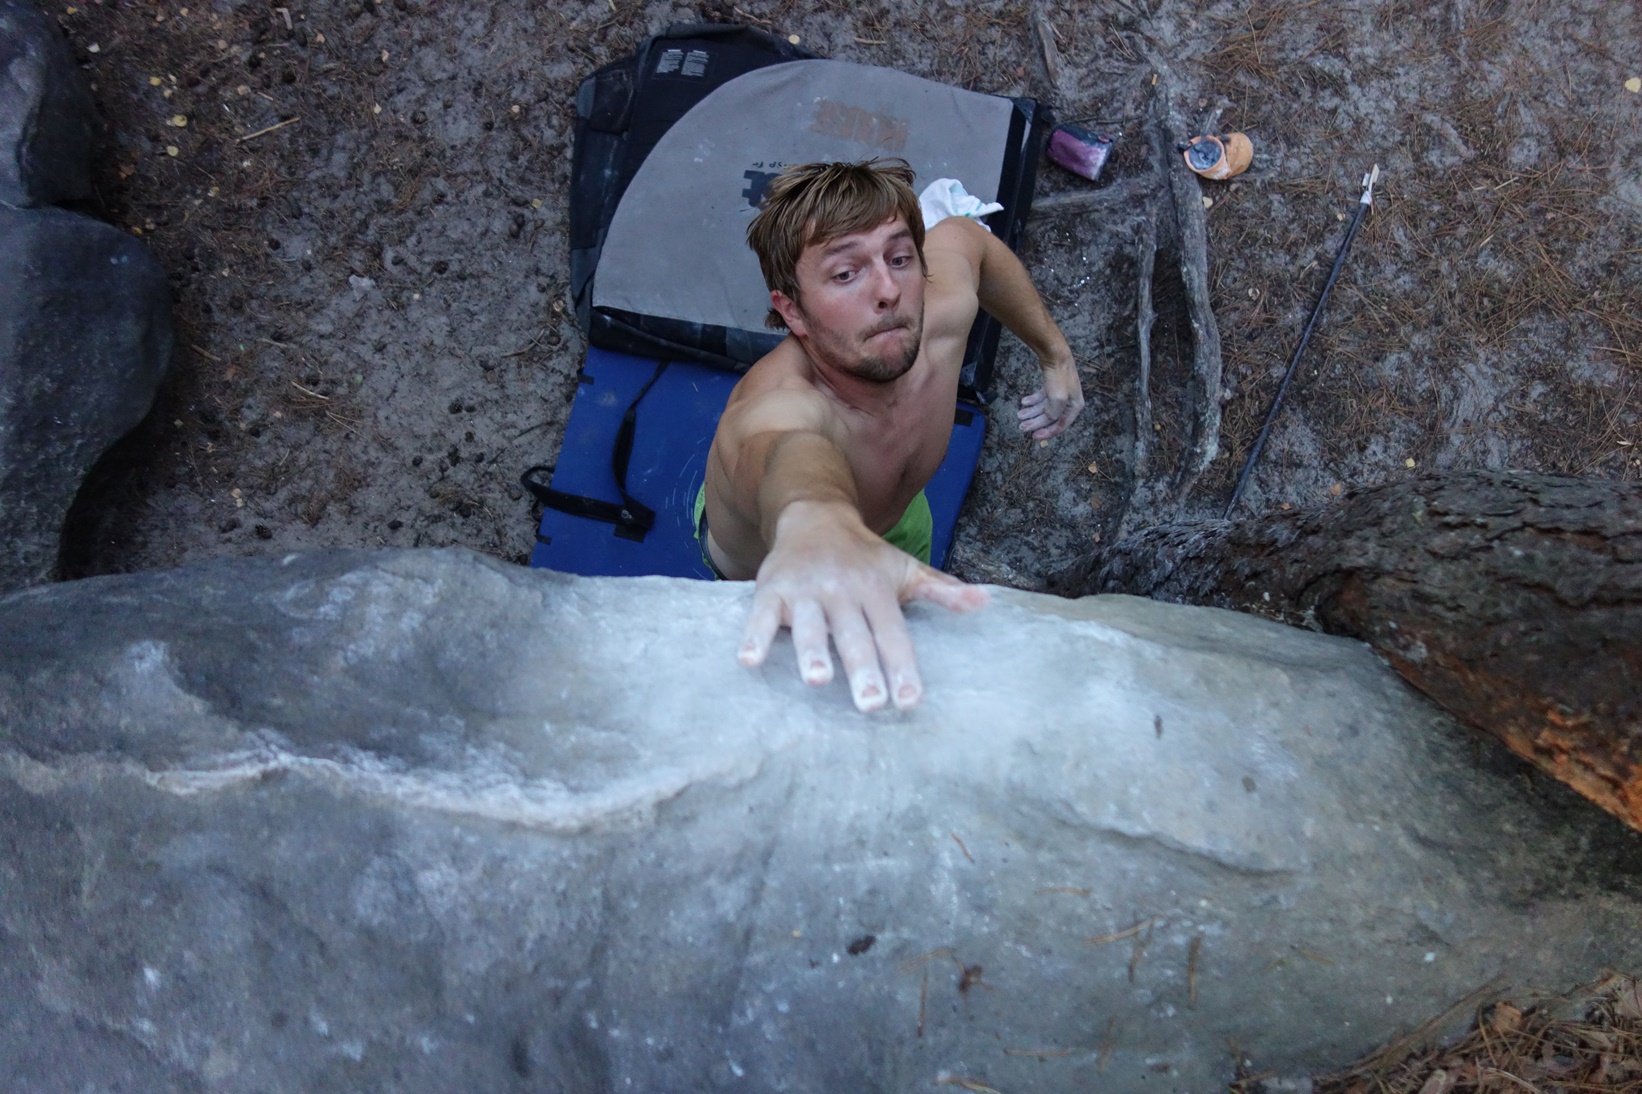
column 1316, row 312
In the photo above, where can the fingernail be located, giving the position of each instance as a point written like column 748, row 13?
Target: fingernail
column 906, row 696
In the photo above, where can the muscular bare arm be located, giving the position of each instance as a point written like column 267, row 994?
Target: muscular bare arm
column 1006, row 291
column 825, row 572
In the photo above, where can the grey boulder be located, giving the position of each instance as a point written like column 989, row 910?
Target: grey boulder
column 85, row 339
column 419, row 821
column 45, row 112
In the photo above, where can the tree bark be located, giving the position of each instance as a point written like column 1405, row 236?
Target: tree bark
column 1514, row 600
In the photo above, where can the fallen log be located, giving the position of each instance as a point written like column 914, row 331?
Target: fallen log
column 1513, row 600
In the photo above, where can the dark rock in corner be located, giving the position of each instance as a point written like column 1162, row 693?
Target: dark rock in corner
column 45, row 112
column 85, row 338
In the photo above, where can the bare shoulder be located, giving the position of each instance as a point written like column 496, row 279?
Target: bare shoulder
column 774, row 397
column 952, row 252
column 779, row 408
column 954, row 248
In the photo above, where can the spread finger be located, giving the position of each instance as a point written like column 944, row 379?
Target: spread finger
column 809, row 639
column 947, row 591
column 859, row 654
column 895, row 654
column 762, row 625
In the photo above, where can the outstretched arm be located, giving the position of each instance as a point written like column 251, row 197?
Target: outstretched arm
column 827, row 573
column 1006, row 291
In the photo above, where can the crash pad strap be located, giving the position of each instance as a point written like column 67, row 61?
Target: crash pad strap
column 632, row 518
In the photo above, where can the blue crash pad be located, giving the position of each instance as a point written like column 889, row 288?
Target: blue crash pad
column 674, row 429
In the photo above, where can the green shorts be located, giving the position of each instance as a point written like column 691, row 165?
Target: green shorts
column 914, row 533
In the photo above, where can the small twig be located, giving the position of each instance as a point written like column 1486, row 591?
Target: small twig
column 968, row 1084
column 1141, row 942
column 1044, row 31
column 1119, row 936
column 923, row 1001
column 1106, row 1045
column 1507, row 1075
column 270, row 129
column 1303, row 952
column 1041, row 1052
column 1191, row 970
column 521, row 352
column 203, row 352
column 913, row 964
column 305, row 391
column 962, row 848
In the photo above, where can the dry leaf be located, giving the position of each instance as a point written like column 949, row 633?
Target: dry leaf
column 1628, row 1000
column 1336, row 489
column 1505, row 1018
column 1440, row 1082
column 1634, row 84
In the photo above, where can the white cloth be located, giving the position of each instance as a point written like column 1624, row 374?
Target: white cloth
column 947, row 198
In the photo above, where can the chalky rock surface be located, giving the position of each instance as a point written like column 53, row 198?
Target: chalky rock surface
column 424, row 822
column 45, row 112
column 85, row 338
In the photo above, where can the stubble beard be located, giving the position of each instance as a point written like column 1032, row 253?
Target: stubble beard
column 876, row 368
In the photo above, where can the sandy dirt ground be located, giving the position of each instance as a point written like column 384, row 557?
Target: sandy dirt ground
column 363, row 208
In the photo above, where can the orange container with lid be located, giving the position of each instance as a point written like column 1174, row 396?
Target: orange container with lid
column 1219, row 157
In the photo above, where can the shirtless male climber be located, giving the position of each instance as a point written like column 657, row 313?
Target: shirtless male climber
column 816, row 474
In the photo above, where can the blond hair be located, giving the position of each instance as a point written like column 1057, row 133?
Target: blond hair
column 818, row 203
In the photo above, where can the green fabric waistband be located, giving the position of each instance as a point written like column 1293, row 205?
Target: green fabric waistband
column 914, row 533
